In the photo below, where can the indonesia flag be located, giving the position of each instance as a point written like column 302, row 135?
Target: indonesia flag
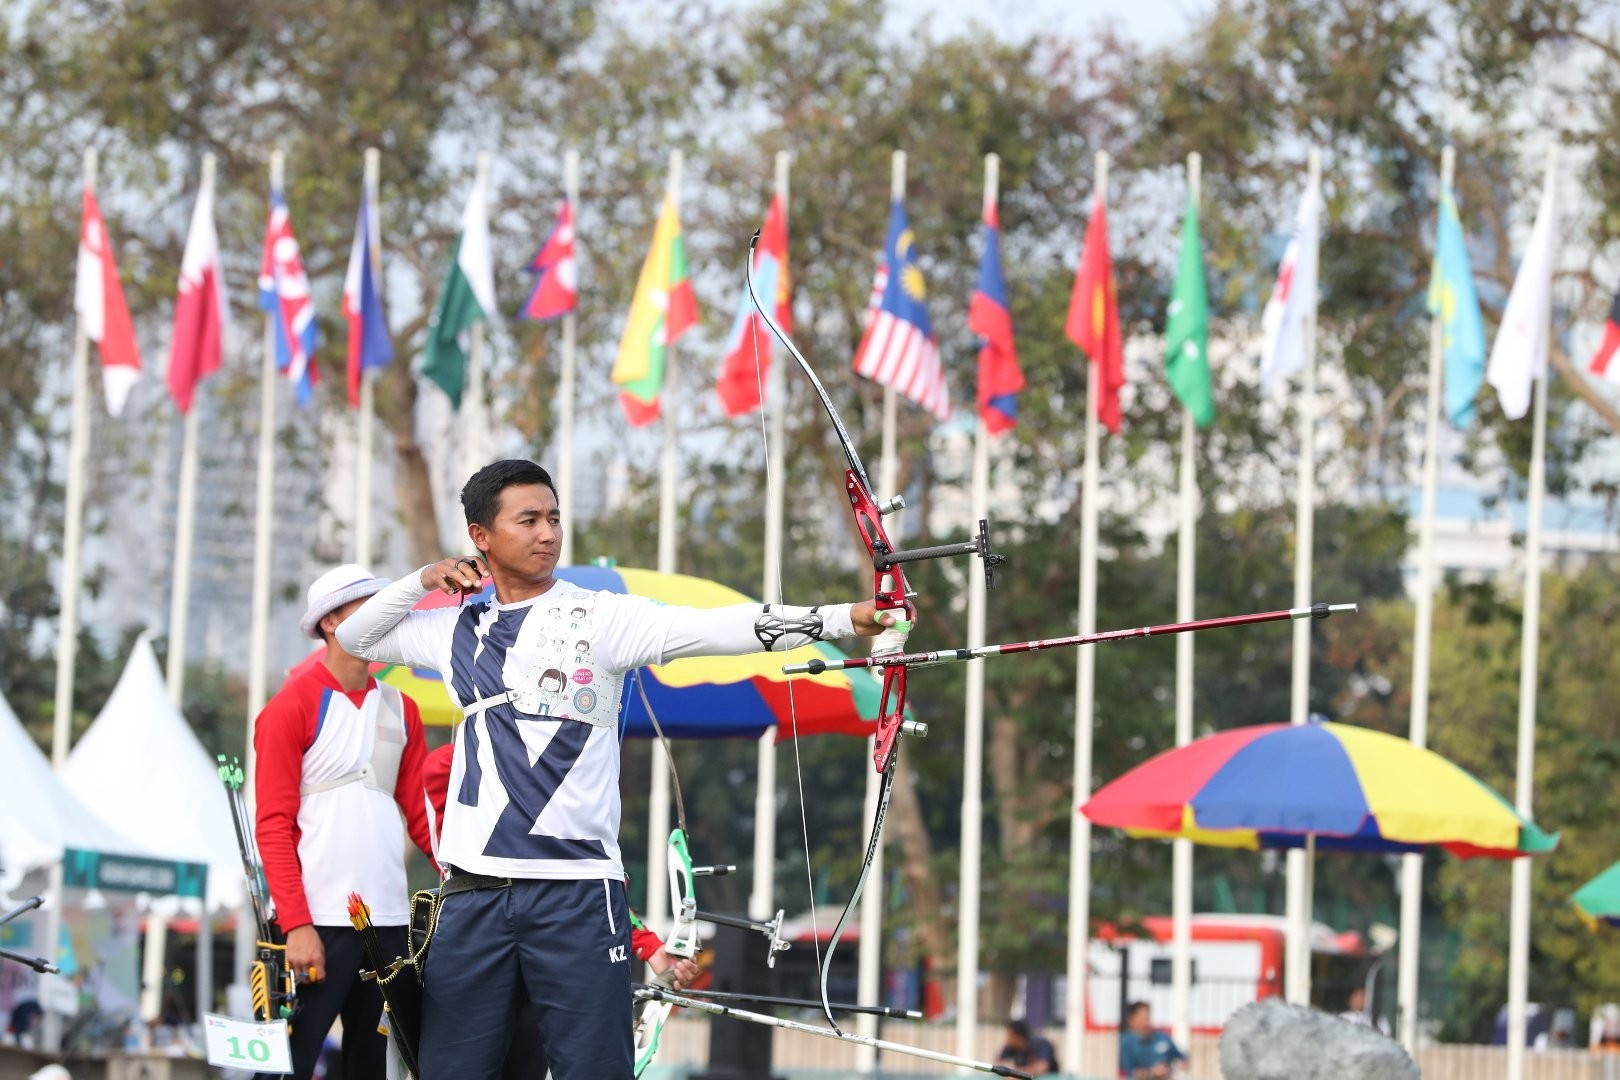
column 369, row 343
column 898, row 348
column 196, row 350
column 556, row 286
column 284, row 296
column 98, row 300
column 1000, row 377
column 740, row 377
column 1600, row 365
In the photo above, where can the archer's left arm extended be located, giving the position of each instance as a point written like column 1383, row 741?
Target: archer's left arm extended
column 638, row 631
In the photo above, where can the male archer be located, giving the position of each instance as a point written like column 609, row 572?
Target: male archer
column 338, row 774
column 534, row 907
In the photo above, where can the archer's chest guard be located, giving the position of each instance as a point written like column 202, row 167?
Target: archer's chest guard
column 551, row 670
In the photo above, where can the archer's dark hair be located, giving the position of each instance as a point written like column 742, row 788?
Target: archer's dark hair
column 1018, row 1028
column 481, row 495
column 1133, row 1008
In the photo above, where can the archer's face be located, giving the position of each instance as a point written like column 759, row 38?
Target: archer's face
column 527, row 533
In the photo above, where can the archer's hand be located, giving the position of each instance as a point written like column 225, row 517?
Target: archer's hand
column 870, row 621
column 306, row 958
column 456, row 575
column 686, row 971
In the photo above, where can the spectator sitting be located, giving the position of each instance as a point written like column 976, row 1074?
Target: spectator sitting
column 1145, row 1054
column 1029, row 1053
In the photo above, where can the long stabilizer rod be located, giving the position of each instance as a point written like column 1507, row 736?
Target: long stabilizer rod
column 806, row 1003
column 646, row 992
column 952, row 656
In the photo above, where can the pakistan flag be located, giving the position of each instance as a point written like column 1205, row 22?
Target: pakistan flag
column 1186, row 357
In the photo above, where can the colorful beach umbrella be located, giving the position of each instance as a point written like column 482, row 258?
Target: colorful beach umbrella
column 1345, row 787
column 1598, row 901
column 695, row 698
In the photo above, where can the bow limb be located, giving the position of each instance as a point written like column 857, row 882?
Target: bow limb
column 650, row 1016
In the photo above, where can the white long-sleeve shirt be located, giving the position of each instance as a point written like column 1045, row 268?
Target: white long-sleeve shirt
column 534, row 785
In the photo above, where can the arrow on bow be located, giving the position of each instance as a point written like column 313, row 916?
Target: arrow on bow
column 891, row 593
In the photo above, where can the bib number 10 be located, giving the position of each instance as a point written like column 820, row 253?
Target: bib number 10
column 258, row 1051
column 247, row 1044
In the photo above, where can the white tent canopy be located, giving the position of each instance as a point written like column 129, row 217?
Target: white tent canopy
column 140, row 764
column 39, row 816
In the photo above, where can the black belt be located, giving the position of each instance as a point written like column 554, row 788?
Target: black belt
column 460, row 881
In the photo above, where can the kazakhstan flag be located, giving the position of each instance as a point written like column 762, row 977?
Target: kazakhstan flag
column 1453, row 300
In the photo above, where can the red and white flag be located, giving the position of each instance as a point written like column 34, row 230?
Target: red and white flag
column 196, row 349
column 98, row 300
column 1293, row 298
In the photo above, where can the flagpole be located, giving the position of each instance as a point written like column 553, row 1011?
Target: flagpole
column 658, row 800
column 1406, row 991
column 264, row 513
column 565, row 384
column 364, row 438
column 474, row 452
column 1085, row 687
column 1298, row 983
column 762, row 898
column 1182, row 850
column 67, row 639
column 870, row 960
column 967, row 902
column 1529, row 659
column 67, row 634
column 185, row 517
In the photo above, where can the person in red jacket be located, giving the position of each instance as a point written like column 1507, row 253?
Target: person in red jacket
column 525, row 1056
column 338, row 779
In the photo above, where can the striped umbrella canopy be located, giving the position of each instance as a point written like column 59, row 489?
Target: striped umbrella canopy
column 1345, row 787
column 694, row 698
column 1598, row 901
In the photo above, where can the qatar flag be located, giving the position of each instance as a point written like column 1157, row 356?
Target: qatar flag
column 196, row 349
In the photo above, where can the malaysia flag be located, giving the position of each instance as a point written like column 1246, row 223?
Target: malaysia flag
column 284, row 294
column 1000, row 377
column 898, row 348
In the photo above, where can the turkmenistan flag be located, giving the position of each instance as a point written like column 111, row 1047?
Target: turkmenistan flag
column 1186, row 331
column 662, row 309
column 468, row 297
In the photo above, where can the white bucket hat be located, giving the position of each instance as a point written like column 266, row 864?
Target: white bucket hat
column 333, row 589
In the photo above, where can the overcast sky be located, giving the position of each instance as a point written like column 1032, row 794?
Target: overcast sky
column 1152, row 22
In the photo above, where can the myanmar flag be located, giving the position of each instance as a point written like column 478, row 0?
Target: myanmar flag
column 662, row 309
column 1186, row 331
column 468, row 297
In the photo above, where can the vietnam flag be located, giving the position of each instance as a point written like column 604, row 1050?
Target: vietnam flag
column 662, row 309
column 196, row 349
column 740, row 378
column 98, row 300
column 1093, row 322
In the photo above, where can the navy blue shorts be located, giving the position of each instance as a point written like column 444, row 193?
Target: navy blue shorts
column 564, row 946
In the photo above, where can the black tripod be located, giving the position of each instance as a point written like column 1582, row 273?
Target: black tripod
column 44, row 967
